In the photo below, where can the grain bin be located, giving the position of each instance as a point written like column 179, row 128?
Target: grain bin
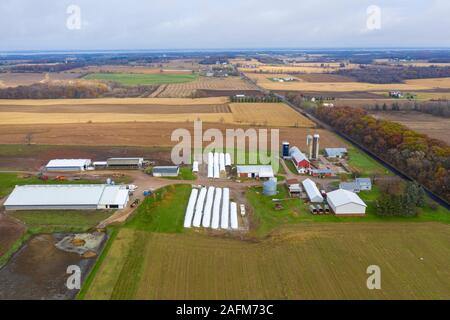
column 270, row 187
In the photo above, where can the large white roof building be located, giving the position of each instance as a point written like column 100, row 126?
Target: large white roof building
column 67, row 197
column 344, row 202
column 68, row 165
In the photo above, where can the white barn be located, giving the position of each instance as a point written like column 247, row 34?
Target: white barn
column 344, row 202
column 255, row 171
column 67, row 197
column 312, row 191
column 59, row 165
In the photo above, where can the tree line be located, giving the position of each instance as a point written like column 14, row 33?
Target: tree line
column 397, row 74
column 435, row 108
column 75, row 91
column 424, row 159
column 400, row 200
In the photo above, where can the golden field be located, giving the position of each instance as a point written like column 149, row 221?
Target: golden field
column 119, row 101
column 215, row 110
column 264, row 81
column 273, row 114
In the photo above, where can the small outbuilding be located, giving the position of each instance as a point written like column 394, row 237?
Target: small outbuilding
column 166, row 171
column 255, row 171
column 312, row 191
column 344, row 202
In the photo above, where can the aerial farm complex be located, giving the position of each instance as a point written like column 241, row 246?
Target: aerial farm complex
column 89, row 177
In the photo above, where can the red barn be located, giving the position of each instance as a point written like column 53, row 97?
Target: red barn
column 300, row 160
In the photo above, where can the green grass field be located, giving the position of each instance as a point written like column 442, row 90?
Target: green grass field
column 162, row 212
column 366, row 165
column 307, row 261
column 9, row 180
column 129, row 79
column 61, row 221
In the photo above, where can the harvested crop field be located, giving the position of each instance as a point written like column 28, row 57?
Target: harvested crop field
column 34, row 112
column 271, row 114
column 136, row 134
column 307, row 261
column 435, row 127
column 25, row 79
column 202, row 83
column 110, row 101
column 410, row 85
column 33, row 157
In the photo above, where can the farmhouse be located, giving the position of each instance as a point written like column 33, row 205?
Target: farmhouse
column 166, row 171
column 360, row 184
column 299, row 159
column 255, row 171
column 322, row 172
column 344, row 202
column 125, row 163
column 67, row 197
column 68, row 165
column 312, row 191
column 335, row 152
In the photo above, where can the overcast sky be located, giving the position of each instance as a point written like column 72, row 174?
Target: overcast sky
column 189, row 24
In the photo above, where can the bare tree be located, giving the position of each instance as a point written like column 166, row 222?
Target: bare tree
column 29, row 138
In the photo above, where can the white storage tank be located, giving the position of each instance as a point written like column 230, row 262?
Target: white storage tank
column 270, row 187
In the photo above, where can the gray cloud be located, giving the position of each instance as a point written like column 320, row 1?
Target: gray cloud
column 170, row 24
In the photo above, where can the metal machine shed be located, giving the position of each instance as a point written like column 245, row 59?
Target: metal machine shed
column 68, row 165
column 125, row 163
column 344, row 202
column 167, row 171
column 67, row 197
column 335, row 152
column 312, row 191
